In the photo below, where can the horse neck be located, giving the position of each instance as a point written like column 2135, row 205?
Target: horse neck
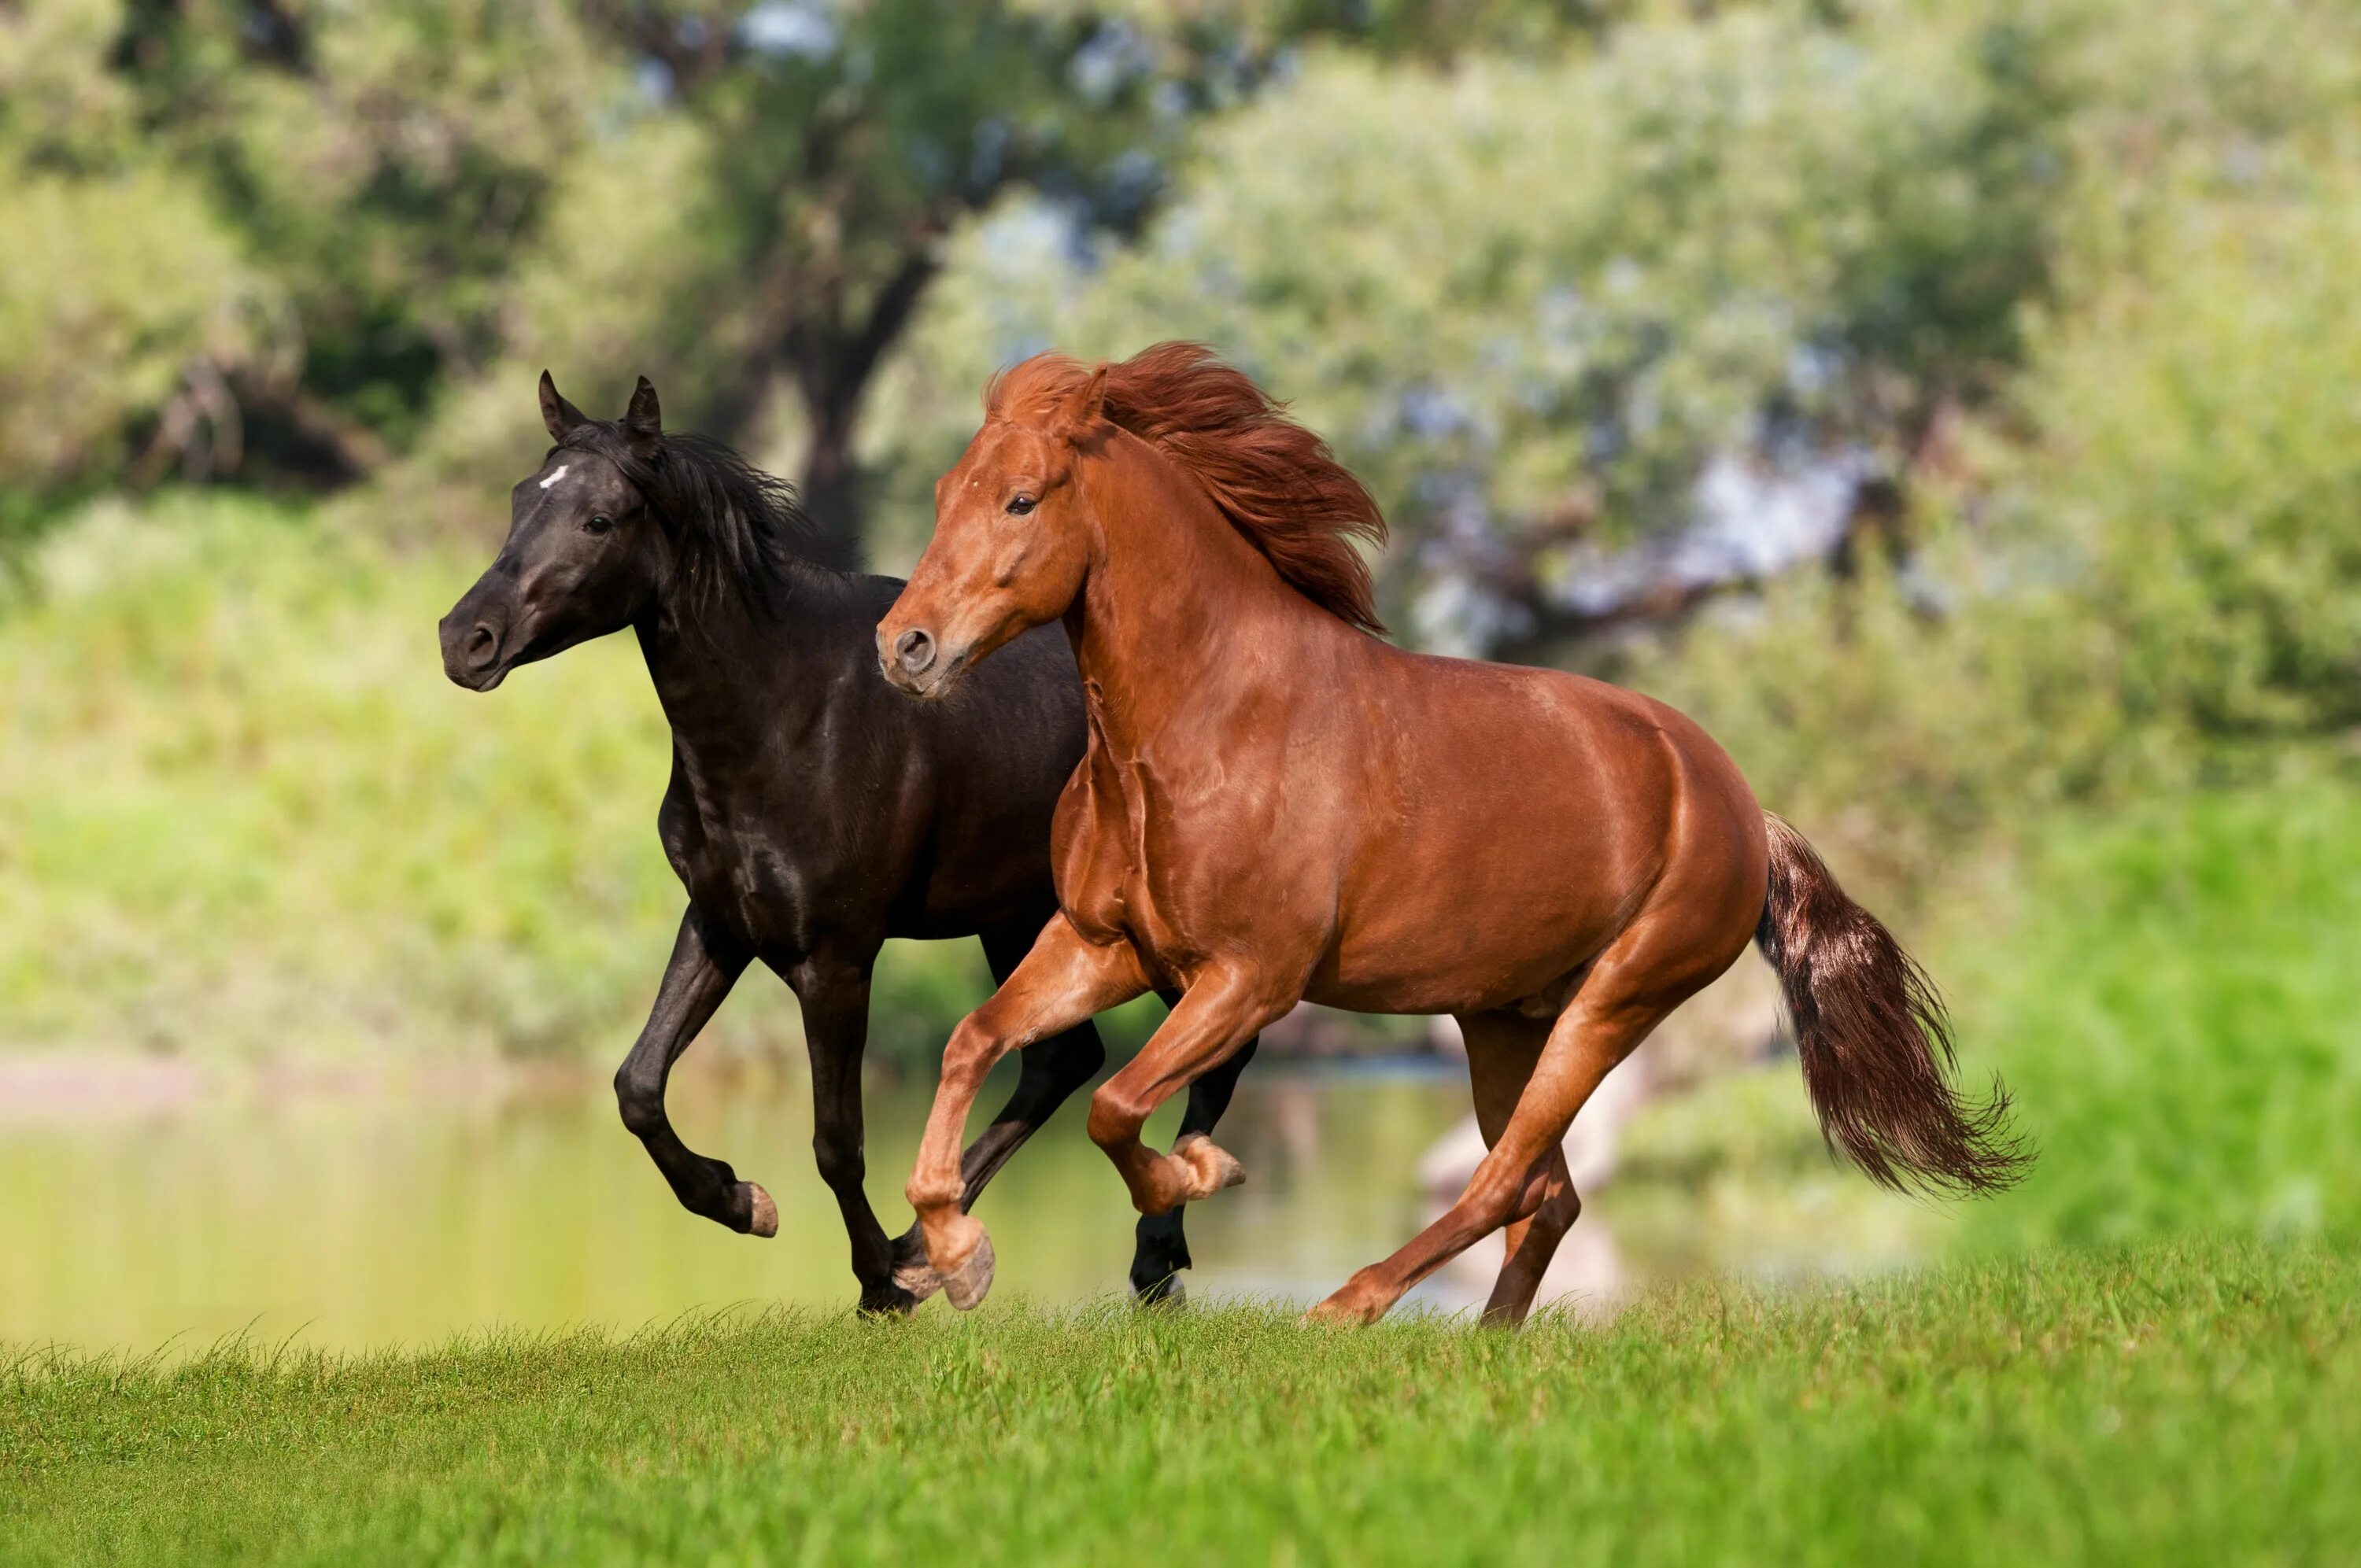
column 1173, row 592
column 732, row 678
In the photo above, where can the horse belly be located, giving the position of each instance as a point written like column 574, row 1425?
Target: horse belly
column 1522, row 837
column 1431, row 936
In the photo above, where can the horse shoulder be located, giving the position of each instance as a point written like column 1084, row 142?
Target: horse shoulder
column 1091, row 840
column 678, row 827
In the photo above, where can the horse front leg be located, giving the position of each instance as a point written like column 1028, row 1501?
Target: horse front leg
column 1224, row 1008
column 1063, row 982
column 1160, row 1247
column 834, row 992
column 704, row 966
column 1049, row 1074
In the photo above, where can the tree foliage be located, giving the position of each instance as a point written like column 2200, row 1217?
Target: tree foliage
column 1622, row 323
column 2152, row 582
column 119, row 279
column 774, row 178
column 1533, row 300
column 837, row 147
column 2022, row 316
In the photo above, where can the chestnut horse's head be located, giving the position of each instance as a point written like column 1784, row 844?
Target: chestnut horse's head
column 1013, row 531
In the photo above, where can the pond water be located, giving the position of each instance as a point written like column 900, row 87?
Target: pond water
column 367, row 1218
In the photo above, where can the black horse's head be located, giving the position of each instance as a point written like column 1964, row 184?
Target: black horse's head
column 618, row 516
column 583, row 555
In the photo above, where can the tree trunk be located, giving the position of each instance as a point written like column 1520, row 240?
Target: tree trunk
column 832, row 490
column 831, row 368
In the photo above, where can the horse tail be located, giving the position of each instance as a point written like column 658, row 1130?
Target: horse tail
column 1875, row 1040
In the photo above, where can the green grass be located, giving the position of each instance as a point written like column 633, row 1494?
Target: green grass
column 2177, row 1005
column 2171, row 994
column 2185, row 1403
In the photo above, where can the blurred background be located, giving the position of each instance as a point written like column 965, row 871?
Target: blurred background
column 1954, row 404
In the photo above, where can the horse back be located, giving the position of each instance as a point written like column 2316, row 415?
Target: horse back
column 1506, row 823
column 841, row 809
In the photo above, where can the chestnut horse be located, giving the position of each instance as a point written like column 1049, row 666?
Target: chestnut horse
column 1276, row 804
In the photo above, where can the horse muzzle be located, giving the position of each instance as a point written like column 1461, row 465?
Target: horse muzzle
column 913, row 662
column 474, row 650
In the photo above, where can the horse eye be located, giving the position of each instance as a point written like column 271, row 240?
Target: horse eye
column 600, row 524
column 1022, row 505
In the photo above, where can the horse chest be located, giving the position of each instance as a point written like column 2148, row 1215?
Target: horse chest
column 1106, row 874
column 757, row 886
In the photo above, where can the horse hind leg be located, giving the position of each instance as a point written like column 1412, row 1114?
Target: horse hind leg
column 1502, row 1049
column 1548, row 1212
column 1643, row 975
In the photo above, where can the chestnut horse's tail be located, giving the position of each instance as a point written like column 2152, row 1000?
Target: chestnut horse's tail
column 1875, row 1042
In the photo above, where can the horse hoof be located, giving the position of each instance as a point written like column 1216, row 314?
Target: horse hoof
column 1335, row 1312
column 766, row 1213
column 894, row 1302
column 913, row 1274
column 1348, row 1305
column 967, row 1285
column 1211, row 1167
column 1168, row 1292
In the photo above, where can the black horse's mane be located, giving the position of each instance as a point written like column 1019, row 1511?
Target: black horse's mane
column 734, row 525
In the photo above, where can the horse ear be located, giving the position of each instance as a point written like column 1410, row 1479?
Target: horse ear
column 558, row 414
column 643, row 421
column 1088, row 406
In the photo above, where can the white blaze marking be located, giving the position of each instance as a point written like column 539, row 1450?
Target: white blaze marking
column 555, row 477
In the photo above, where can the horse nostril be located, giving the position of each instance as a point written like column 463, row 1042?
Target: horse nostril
column 482, row 643
column 914, row 651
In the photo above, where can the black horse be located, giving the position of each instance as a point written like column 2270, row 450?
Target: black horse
column 814, row 811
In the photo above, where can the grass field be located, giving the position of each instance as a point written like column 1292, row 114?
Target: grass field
column 2173, row 997
column 204, row 696
column 2189, row 1402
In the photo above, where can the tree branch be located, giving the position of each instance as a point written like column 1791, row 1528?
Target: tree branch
column 658, row 35
column 888, row 314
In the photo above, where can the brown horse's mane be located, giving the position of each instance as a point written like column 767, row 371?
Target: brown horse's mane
column 1277, row 482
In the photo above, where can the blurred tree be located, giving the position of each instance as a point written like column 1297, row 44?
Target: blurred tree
column 838, row 144
column 842, row 146
column 1618, row 302
column 122, row 296
column 2150, row 562
column 398, row 168
column 1611, row 329
column 384, row 165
